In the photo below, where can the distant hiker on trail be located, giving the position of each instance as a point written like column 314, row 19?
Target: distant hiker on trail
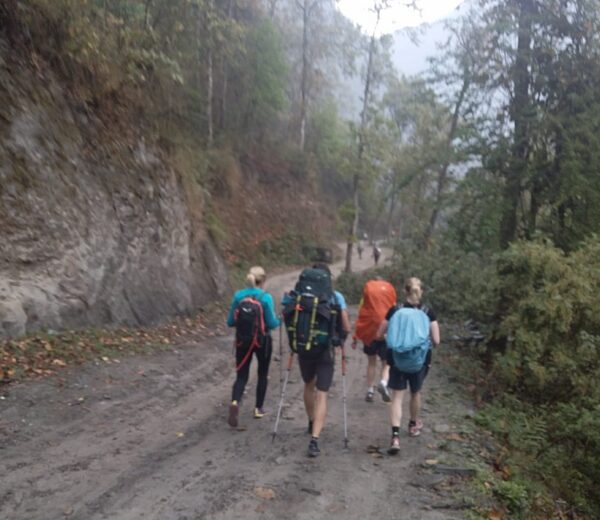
column 410, row 330
column 376, row 254
column 316, row 319
column 253, row 316
column 359, row 248
column 378, row 297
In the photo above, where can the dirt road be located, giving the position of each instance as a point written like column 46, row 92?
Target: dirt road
column 146, row 438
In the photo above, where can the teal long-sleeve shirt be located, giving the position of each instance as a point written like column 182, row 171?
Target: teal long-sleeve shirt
column 266, row 300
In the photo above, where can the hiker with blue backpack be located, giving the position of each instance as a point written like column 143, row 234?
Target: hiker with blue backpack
column 252, row 313
column 316, row 319
column 410, row 330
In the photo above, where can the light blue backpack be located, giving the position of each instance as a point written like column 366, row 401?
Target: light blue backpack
column 408, row 338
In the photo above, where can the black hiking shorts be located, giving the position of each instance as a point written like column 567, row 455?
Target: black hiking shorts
column 401, row 380
column 377, row 348
column 320, row 367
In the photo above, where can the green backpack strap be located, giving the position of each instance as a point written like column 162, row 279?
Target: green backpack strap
column 313, row 321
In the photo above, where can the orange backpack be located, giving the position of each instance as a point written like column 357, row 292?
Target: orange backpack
column 378, row 297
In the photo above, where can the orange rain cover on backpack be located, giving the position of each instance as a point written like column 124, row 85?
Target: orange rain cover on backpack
column 378, row 297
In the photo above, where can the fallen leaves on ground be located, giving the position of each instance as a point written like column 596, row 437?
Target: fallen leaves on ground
column 44, row 353
column 264, row 492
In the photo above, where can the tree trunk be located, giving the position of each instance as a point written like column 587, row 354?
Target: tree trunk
column 209, row 96
column 394, row 196
column 209, row 82
column 519, row 114
column 303, row 87
column 361, row 148
column 225, row 73
column 443, row 173
column 146, row 13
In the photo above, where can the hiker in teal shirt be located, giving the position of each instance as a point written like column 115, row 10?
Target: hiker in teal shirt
column 271, row 320
column 244, row 353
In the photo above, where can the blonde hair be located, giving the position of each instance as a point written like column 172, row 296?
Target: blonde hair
column 413, row 288
column 256, row 276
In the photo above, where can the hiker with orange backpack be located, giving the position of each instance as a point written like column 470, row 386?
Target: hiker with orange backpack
column 378, row 297
column 252, row 313
column 410, row 329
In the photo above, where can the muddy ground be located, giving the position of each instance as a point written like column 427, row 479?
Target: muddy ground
column 146, row 437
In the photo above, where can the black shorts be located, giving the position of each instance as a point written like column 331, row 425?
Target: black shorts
column 400, row 380
column 377, row 348
column 320, row 367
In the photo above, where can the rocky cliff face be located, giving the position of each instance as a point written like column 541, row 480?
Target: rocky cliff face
column 93, row 230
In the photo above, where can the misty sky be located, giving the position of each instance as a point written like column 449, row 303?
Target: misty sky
column 399, row 16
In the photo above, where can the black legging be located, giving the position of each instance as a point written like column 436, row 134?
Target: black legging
column 263, row 356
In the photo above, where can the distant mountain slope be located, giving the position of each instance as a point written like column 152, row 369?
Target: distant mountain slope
column 410, row 54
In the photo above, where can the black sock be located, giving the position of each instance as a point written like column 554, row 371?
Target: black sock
column 412, row 423
column 396, row 431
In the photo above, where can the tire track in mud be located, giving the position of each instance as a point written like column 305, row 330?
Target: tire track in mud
column 150, row 441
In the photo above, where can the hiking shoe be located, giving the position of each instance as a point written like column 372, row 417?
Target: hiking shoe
column 385, row 393
column 234, row 411
column 394, row 445
column 414, row 430
column 369, row 396
column 259, row 413
column 313, row 448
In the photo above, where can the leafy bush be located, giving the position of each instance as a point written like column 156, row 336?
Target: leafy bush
column 548, row 367
column 551, row 321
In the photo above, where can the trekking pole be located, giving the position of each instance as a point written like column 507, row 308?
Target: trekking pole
column 344, row 397
column 281, row 352
column 289, row 368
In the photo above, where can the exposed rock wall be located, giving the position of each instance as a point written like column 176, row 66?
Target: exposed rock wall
column 92, row 231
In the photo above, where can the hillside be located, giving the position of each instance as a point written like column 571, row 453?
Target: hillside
column 97, row 227
column 103, row 220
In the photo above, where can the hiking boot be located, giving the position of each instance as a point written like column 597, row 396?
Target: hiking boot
column 259, row 413
column 369, row 396
column 394, row 445
column 313, row 448
column 234, row 411
column 414, row 428
column 385, row 393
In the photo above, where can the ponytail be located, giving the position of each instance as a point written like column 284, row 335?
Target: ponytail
column 413, row 290
column 250, row 280
column 256, row 276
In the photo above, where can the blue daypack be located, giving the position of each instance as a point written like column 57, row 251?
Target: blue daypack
column 408, row 338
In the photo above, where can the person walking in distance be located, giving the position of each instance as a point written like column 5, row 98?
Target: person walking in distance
column 359, row 249
column 376, row 254
column 378, row 297
column 316, row 319
column 252, row 313
column 410, row 330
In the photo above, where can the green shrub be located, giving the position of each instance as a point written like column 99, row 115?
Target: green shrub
column 548, row 366
column 551, row 321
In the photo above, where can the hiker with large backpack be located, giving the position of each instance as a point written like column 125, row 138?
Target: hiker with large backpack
column 410, row 330
column 252, row 313
column 316, row 319
column 378, row 297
